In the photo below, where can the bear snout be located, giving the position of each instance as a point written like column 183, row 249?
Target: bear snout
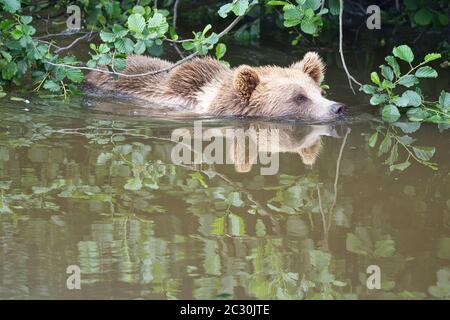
column 338, row 108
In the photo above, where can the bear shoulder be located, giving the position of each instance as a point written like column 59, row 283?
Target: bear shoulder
column 187, row 79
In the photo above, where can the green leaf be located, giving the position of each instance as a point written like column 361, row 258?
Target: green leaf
column 277, row 3
column 103, row 48
column 432, row 56
column 75, row 75
column 234, row 199
column 386, row 84
column 378, row 99
column 400, row 166
column 218, row 226
column 138, row 9
column 414, row 99
column 393, row 155
column 312, row 4
column 136, row 23
column 401, row 101
column 240, row 7
column 385, row 145
column 334, row 7
column 390, row 113
column 367, row 88
column 394, row 65
column 384, row 248
column 406, row 140
column 408, row 127
column 408, row 80
column 124, row 45
column 224, row 10
column 51, row 86
column 417, row 114
column 188, row 45
column 373, row 139
column 319, row 259
column 9, row 71
column 26, row 19
column 221, row 49
column 11, row 5
column 424, row 153
column 444, row 100
column 375, row 78
column 137, row 158
column 133, row 184
column 404, row 53
column 139, row 47
column 107, row 36
column 308, row 26
column 426, row 72
column 6, row 55
column 387, row 72
column 237, row 225
column 103, row 158
column 354, row 244
column 423, row 17
column 292, row 16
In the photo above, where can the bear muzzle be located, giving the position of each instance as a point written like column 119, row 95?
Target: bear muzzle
column 338, row 109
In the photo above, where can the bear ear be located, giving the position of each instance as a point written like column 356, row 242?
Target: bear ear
column 245, row 81
column 312, row 65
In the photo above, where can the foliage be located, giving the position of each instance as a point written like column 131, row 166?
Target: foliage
column 395, row 144
column 306, row 13
column 386, row 91
column 427, row 13
column 122, row 28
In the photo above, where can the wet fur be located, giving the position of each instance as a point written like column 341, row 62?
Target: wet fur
column 206, row 86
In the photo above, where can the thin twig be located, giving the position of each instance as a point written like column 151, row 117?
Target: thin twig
column 61, row 34
column 51, row 44
column 175, row 16
column 175, row 13
column 341, row 50
column 124, row 74
column 324, row 220
column 87, row 35
column 336, row 178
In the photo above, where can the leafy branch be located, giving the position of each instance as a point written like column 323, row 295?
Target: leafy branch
column 386, row 92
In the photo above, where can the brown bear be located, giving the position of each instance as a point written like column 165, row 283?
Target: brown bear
column 206, row 86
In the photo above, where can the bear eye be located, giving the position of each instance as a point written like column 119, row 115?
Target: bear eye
column 300, row 98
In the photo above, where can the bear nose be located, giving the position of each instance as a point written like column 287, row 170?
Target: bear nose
column 338, row 108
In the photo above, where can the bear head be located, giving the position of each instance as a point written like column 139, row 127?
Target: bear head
column 292, row 92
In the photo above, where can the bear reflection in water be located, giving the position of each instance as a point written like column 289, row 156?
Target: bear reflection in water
column 250, row 144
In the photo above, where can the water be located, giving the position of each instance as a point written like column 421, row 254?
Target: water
column 92, row 183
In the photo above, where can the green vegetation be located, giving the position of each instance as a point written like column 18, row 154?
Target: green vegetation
column 396, row 144
column 386, row 91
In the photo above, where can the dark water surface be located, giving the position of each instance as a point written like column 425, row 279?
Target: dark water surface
column 92, row 183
